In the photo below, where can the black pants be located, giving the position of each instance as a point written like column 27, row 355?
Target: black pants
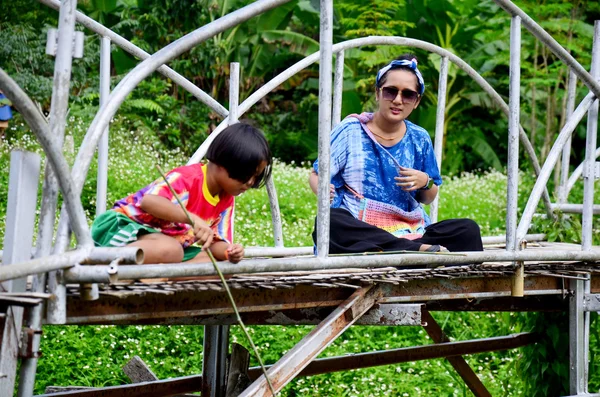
column 350, row 235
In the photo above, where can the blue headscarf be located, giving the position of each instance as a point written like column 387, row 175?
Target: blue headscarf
column 410, row 64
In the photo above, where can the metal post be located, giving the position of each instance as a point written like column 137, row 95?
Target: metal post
column 580, row 378
column 102, row 179
column 325, row 41
column 338, row 89
column 216, row 337
column 216, row 342
column 577, row 378
column 566, row 153
column 20, row 223
column 589, row 175
column 513, row 134
column 58, row 116
column 439, row 130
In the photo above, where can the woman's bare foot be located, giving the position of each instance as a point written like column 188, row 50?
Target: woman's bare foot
column 432, row 248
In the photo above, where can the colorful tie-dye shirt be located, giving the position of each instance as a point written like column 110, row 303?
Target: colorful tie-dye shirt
column 189, row 182
column 360, row 163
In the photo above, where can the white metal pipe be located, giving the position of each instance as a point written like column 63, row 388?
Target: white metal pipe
column 551, row 160
column 100, row 274
column 65, row 260
column 137, row 52
column 338, row 89
column 234, row 92
column 275, row 213
column 102, row 179
column 563, row 191
column 326, row 57
column 577, row 173
column 440, row 118
column 256, row 252
column 574, row 208
column 513, row 134
column 589, row 174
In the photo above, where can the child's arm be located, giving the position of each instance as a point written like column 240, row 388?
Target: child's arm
column 161, row 207
column 222, row 250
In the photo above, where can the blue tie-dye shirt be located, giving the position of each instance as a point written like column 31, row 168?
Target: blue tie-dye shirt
column 360, row 163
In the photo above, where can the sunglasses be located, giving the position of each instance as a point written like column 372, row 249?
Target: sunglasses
column 407, row 96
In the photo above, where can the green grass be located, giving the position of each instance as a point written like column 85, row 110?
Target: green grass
column 94, row 355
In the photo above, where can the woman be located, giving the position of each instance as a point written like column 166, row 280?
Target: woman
column 382, row 168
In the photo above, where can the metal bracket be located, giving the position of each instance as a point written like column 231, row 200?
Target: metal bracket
column 113, row 270
column 52, row 43
column 27, row 336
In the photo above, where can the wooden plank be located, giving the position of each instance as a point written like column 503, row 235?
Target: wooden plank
column 237, row 378
column 159, row 388
column 137, row 371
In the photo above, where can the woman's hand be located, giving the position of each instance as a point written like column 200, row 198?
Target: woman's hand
column 411, row 180
column 234, row 253
column 204, row 234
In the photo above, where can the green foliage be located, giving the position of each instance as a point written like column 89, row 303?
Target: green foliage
column 545, row 364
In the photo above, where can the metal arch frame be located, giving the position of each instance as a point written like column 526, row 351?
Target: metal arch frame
column 145, row 68
column 379, row 40
column 40, row 128
column 134, row 50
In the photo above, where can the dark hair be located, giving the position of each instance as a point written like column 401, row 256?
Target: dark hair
column 240, row 149
column 403, row 57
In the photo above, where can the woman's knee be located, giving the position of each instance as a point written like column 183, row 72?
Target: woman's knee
column 471, row 227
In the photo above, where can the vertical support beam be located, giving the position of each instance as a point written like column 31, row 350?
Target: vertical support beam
column 216, row 337
column 326, row 57
column 589, row 174
column 440, row 118
column 18, row 240
column 216, row 341
column 102, row 179
column 338, row 89
column 275, row 213
column 56, row 309
column 579, row 324
column 513, row 134
column 435, row 332
column 513, row 150
column 234, row 92
column 295, row 360
column 563, row 189
column 577, row 378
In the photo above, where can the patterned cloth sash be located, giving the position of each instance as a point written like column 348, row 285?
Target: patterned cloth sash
column 395, row 220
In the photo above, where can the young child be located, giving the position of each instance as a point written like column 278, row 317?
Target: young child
column 238, row 159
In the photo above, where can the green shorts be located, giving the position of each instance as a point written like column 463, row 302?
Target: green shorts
column 113, row 229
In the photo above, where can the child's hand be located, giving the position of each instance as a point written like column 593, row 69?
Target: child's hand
column 203, row 233
column 234, row 253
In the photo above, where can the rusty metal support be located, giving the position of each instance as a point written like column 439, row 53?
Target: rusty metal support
column 315, row 342
column 460, row 365
column 407, row 354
